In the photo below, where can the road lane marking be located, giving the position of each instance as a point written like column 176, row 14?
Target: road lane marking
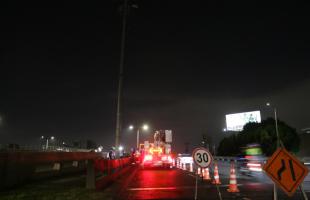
column 188, row 187
column 158, row 188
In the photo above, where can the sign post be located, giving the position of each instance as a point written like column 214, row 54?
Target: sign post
column 203, row 159
column 285, row 170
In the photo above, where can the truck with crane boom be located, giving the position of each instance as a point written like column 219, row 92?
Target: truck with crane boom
column 158, row 153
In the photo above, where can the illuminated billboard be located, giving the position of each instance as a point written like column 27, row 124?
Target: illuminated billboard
column 236, row 121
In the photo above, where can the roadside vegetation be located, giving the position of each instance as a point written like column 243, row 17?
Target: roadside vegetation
column 263, row 133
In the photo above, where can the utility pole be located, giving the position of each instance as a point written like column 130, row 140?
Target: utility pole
column 120, row 77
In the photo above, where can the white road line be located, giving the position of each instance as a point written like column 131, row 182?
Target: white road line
column 160, row 188
column 186, row 187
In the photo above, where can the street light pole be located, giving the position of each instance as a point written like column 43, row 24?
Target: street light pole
column 144, row 127
column 275, row 193
column 138, row 137
column 276, row 124
column 46, row 146
column 120, row 77
column 277, row 130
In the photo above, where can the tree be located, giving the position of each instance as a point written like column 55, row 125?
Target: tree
column 263, row 133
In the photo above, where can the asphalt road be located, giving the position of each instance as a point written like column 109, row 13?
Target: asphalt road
column 180, row 184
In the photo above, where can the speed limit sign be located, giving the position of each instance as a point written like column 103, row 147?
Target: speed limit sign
column 202, row 157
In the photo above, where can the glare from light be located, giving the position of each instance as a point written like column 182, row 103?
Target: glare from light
column 186, row 159
column 120, row 148
column 52, row 138
column 131, row 127
column 145, row 127
column 42, row 137
column 254, row 164
column 268, row 104
column 100, row 149
column 255, row 169
column 148, row 157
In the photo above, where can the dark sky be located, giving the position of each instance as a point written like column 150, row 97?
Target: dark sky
column 187, row 65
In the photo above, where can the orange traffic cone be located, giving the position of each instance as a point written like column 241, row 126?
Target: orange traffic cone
column 216, row 180
column 198, row 170
column 191, row 167
column 233, row 179
column 206, row 174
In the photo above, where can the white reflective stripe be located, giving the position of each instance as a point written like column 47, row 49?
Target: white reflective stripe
column 233, row 182
column 216, row 176
column 233, row 176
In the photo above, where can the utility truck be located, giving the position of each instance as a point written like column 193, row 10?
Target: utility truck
column 158, row 153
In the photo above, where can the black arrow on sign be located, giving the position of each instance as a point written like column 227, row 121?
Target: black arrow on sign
column 282, row 169
column 292, row 170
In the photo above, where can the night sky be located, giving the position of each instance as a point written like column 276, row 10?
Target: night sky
column 187, row 65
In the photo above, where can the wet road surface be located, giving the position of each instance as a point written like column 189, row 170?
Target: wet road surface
column 180, row 184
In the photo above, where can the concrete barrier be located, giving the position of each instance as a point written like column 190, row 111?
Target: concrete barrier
column 19, row 167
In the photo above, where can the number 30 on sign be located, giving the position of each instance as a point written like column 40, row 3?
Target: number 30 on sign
column 202, row 157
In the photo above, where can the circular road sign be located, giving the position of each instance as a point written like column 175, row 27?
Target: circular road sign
column 202, row 157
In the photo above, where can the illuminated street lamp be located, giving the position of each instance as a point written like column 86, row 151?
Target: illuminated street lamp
column 144, row 127
column 51, row 138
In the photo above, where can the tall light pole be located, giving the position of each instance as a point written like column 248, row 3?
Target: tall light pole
column 51, row 138
column 145, row 127
column 275, row 193
column 276, row 123
column 120, row 76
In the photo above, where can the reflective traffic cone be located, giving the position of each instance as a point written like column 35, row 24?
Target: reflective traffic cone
column 233, row 179
column 191, row 167
column 216, row 180
column 207, row 174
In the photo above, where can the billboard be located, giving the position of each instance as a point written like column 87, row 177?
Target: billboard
column 236, row 121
